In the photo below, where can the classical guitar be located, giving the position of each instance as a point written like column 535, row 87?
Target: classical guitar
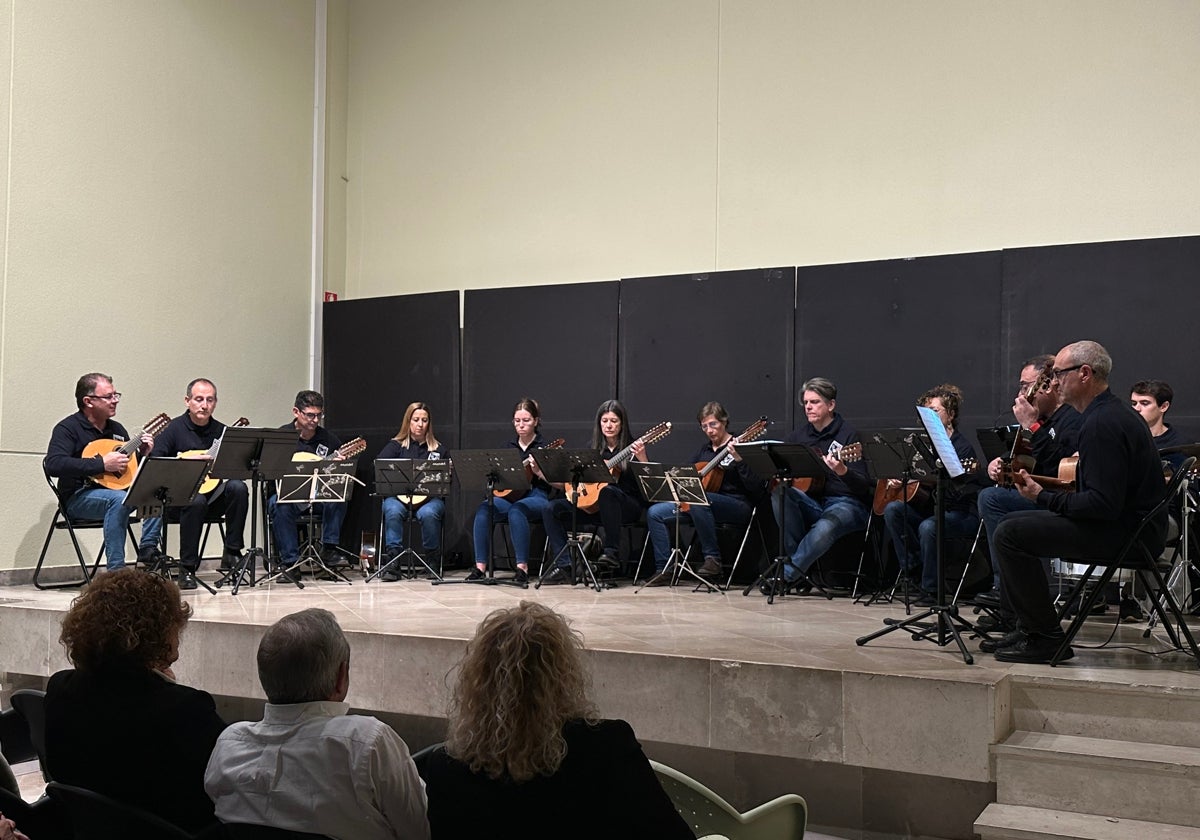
column 1064, row 481
column 512, row 494
column 847, row 454
column 210, row 484
column 913, row 492
column 588, row 498
column 129, row 448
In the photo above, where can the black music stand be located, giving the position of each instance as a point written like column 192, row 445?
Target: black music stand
column 407, row 478
column 328, row 481
column 494, row 469
column 260, row 455
column 678, row 485
column 783, row 461
column 572, row 467
column 161, row 483
column 945, row 616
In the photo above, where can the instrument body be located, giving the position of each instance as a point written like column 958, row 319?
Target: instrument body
column 210, row 484
column 587, row 498
column 128, row 448
column 913, row 492
column 1065, row 481
column 513, row 495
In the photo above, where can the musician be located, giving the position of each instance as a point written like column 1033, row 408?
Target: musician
column 621, row 503
column 416, row 441
column 196, row 430
column 314, row 439
column 97, row 401
column 732, row 504
column 522, row 512
column 1151, row 398
column 833, row 508
column 1054, row 427
column 1119, row 481
column 912, row 525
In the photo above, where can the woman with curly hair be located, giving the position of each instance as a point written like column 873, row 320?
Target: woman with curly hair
column 527, row 755
column 118, row 723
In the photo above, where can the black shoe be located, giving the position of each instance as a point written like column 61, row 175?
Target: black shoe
column 1006, row 641
column 476, row 574
column 187, row 581
column 558, row 576
column 521, row 576
column 1131, row 610
column 151, row 561
column 991, row 598
column 772, row 586
column 1000, row 622
column 1034, row 649
column 391, row 575
column 229, row 559
column 711, row 568
column 659, row 579
column 333, row 556
column 609, row 561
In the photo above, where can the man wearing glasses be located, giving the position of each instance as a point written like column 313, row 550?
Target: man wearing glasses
column 1119, row 481
column 196, row 431
column 97, row 401
column 319, row 441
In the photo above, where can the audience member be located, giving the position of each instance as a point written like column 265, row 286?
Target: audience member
column 308, row 765
column 527, row 755
column 119, row 723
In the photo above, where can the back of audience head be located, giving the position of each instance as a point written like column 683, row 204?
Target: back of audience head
column 522, row 677
column 126, row 619
column 304, row 657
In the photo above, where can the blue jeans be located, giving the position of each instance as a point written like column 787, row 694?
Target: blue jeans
column 287, row 537
column 429, row 515
column 811, row 527
column 995, row 503
column 908, row 527
column 660, row 521
column 519, row 515
column 101, row 503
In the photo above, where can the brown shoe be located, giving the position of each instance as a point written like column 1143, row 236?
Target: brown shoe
column 711, row 568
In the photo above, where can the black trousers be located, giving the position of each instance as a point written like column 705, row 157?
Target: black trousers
column 231, row 499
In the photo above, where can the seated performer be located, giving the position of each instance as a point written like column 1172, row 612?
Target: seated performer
column 97, row 401
column 620, row 503
column 308, row 766
column 1151, row 398
column 196, row 431
column 912, row 525
column 521, row 511
column 319, row 441
column 832, row 508
column 732, row 504
column 1119, row 481
column 1054, row 425
column 415, row 440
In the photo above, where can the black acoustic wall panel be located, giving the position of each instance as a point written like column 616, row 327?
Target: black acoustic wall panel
column 690, row 338
column 886, row 331
column 1137, row 298
column 557, row 344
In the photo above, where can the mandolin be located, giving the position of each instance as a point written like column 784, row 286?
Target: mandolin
column 347, row 450
column 912, row 491
column 847, row 454
column 588, row 496
column 129, row 448
column 513, row 495
column 210, row 484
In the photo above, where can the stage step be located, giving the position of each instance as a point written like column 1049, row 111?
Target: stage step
column 1021, row 822
column 1114, row 778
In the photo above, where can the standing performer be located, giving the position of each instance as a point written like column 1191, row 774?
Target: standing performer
column 97, row 401
column 832, row 508
column 521, row 512
column 620, row 503
column 732, row 504
column 415, row 440
column 197, row 430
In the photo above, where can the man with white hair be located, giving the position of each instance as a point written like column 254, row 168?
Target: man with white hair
column 309, row 766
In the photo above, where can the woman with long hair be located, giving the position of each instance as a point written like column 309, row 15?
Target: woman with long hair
column 417, row 441
column 527, row 749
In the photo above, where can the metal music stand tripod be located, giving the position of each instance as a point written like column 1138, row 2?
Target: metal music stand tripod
column 499, row 469
column 947, row 621
column 678, row 485
column 573, row 467
column 315, row 482
column 161, row 483
column 260, row 455
column 1183, row 564
column 783, row 461
column 408, row 478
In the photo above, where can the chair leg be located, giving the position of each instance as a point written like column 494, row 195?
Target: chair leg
column 741, row 548
column 1085, row 608
column 87, row 577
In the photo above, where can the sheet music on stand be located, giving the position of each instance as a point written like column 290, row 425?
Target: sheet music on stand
column 317, row 481
column 940, row 439
column 408, row 477
column 662, row 483
column 162, row 482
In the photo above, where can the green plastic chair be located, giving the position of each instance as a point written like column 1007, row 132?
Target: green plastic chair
column 709, row 815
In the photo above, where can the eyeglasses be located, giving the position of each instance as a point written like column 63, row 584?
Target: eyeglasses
column 115, row 396
column 711, row 424
column 313, row 415
column 1062, row 374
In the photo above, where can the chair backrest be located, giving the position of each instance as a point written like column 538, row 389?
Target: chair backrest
column 31, row 705
column 249, row 831
column 94, row 816
column 15, row 743
column 1164, row 501
column 62, row 507
column 708, row 814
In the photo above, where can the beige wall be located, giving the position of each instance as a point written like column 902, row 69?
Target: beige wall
column 158, row 192
column 539, row 141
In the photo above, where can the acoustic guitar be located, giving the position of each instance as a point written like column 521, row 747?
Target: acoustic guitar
column 1065, row 481
column 347, row 450
column 914, row 492
column 588, row 497
column 711, row 472
column 210, row 484
column 129, row 448
column 847, row 454
column 512, row 494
